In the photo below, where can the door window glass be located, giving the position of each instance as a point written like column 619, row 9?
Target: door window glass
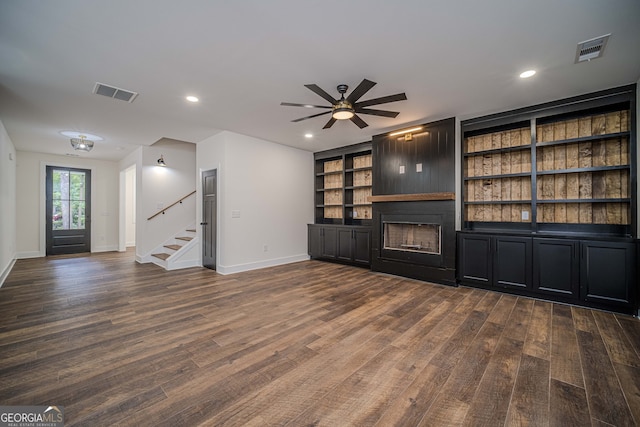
column 68, row 200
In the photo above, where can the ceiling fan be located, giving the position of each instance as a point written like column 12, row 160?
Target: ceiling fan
column 342, row 109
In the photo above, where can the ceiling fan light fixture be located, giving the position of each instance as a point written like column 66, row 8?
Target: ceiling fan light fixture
column 343, row 110
column 342, row 113
column 81, row 143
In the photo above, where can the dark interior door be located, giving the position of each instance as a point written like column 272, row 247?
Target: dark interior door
column 209, row 188
column 68, row 210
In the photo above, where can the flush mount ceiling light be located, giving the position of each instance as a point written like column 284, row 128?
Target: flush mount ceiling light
column 308, row 135
column 527, row 74
column 192, row 98
column 74, row 134
column 161, row 161
column 81, row 143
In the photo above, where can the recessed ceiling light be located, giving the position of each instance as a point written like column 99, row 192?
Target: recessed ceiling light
column 192, row 98
column 308, row 135
column 527, row 74
column 74, row 134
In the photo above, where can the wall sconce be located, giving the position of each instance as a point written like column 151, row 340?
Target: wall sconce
column 161, row 161
column 406, row 131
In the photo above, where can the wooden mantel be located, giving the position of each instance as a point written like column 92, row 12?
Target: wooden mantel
column 417, row 197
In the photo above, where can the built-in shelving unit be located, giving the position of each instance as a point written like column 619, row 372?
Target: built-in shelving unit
column 342, row 228
column 566, row 168
column 343, row 186
column 549, row 201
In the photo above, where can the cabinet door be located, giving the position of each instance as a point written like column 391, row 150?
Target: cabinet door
column 329, row 242
column 345, row 244
column 362, row 246
column 474, row 259
column 314, row 240
column 556, row 268
column 607, row 272
column 512, row 262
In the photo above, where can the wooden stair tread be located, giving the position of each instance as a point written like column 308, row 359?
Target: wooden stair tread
column 185, row 238
column 162, row 256
column 174, row 247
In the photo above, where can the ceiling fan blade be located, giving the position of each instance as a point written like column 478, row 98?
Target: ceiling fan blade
column 329, row 123
column 358, row 121
column 310, row 117
column 364, row 86
column 316, row 89
column 383, row 100
column 291, row 104
column 373, row 112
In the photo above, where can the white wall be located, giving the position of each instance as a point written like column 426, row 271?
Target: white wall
column 7, row 204
column 271, row 186
column 158, row 187
column 30, row 201
column 130, row 206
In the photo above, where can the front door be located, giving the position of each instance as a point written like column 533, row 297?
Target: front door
column 209, row 188
column 68, row 210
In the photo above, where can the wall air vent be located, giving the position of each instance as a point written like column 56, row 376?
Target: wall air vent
column 114, row 92
column 591, row 49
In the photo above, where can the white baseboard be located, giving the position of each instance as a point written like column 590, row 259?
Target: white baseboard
column 32, row 254
column 6, row 271
column 110, row 248
column 177, row 265
column 238, row 268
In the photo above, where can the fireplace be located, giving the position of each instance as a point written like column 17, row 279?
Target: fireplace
column 412, row 237
column 415, row 239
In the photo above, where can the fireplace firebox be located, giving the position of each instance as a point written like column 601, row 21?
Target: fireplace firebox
column 412, row 237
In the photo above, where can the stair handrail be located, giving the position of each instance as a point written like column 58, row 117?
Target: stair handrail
column 171, row 205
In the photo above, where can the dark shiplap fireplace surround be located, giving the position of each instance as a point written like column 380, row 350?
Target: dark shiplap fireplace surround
column 414, row 183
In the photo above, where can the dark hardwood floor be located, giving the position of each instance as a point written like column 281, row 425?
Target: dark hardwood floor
column 310, row 343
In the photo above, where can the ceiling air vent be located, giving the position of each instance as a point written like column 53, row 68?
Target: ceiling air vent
column 591, row 49
column 114, row 92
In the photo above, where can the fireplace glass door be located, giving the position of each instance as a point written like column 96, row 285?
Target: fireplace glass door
column 412, row 237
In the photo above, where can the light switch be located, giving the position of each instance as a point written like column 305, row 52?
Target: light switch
column 418, row 167
column 401, row 169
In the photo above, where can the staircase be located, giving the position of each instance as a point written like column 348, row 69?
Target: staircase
column 167, row 254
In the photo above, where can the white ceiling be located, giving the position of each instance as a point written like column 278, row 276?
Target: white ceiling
column 242, row 58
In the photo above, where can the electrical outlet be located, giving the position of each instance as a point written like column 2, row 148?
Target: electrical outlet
column 401, row 170
column 235, row 214
column 418, row 167
column 525, row 215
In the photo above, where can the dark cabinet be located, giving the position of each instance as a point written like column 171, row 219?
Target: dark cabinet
column 503, row 262
column 362, row 245
column 329, row 242
column 474, row 261
column 557, row 269
column 314, row 241
column 586, row 272
column 607, row 273
column 349, row 244
column 512, row 262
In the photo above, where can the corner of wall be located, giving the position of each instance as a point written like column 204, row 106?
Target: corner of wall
column 8, row 225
